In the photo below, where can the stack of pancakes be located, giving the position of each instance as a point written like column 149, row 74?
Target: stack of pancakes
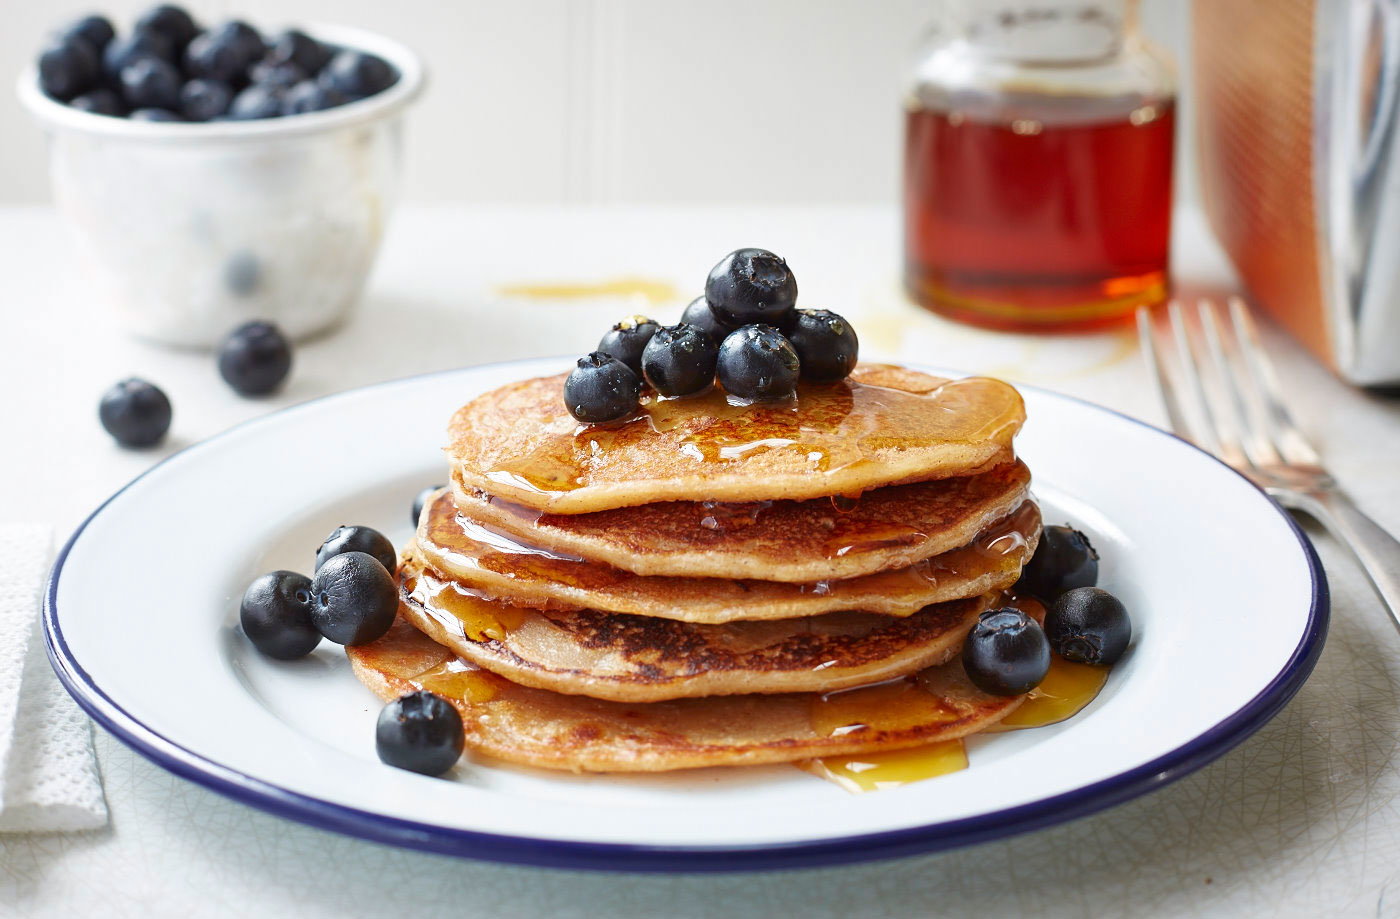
column 710, row 583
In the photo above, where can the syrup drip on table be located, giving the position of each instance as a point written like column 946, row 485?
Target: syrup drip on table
column 828, row 427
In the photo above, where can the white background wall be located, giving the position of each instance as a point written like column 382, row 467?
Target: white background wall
column 606, row 101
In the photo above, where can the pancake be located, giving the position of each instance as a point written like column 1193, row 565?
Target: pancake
column 498, row 566
column 883, row 425
column 797, row 541
column 536, row 727
column 644, row 659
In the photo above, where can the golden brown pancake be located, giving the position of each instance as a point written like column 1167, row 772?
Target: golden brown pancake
column 797, row 541
column 498, row 566
column 644, row 659
column 536, row 727
column 882, row 426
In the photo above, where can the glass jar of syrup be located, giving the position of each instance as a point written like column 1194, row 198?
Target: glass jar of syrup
column 1038, row 165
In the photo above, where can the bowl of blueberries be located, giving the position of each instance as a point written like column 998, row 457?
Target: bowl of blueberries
column 214, row 174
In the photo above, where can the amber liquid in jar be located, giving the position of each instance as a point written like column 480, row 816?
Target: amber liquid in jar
column 1055, row 216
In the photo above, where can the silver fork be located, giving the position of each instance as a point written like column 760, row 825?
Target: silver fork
column 1223, row 395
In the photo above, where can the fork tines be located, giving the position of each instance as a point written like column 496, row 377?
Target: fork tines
column 1219, row 388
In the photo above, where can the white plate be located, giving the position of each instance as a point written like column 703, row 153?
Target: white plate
column 1229, row 607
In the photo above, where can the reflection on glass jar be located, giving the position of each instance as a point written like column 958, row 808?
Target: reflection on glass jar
column 1038, row 165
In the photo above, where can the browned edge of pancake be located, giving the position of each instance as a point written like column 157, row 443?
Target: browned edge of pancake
column 535, row 727
column 795, row 541
column 666, row 659
column 565, row 584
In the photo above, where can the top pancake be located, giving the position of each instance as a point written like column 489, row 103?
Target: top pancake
column 884, row 425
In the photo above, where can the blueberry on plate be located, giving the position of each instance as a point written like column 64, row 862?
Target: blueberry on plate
column 421, row 500
column 758, row 364
column 358, row 539
column 257, row 101
column 699, row 314
column 151, row 83
column 751, row 286
column 284, row 75
column 627, row 339
column 1063, row 561
column 420, row 732
column 276, row 615
column 1089, row 626
column 353, row 599
column 679, row 360
column 135, row 413
column 825, row 343
column 601, row 389
column 154, row 114
column 1006, row 653
column 100, row 101
column 299, row 49
column 127, row 49
column 170, row 21
column 357, row 75
column 310, row 96
column 96, row 30
column 67, row 68
column 255, row 358
column 202, row 100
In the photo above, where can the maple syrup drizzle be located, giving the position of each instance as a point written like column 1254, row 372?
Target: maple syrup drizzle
column 459, row 680
column 889, row 706
column 1064, row 692
column 472, row 616
column 653, row 290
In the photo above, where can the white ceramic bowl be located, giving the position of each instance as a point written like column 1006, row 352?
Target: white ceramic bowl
column 191, row 229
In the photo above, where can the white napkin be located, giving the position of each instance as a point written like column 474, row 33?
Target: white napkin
column 48, row 775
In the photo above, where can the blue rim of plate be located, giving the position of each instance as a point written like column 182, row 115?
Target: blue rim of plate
column 569, row 854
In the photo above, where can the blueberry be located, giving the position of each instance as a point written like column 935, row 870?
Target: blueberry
column 201, row 100
column 170, row 21
column 356, row 74
column 1006, row 653
column 100, row 101
column 67, row 68
column 751, row 285
column 601, row 389
column 1089, row 626
column 353, row 599
column 757, row 363
column 281, row 75
column 257, row 101
column 825, row 343
column 627, row 339
column 699, row 314
column 125, row 50
column 224, row 53
column 1063, row 561
column 358, row 539
column 151, row 83
column 299, row 49
column 276, row 615
column 154, row 114
column 135, row 412
column 420, row 732
column 421, row 499
column 679, row 360
column 96, row 30
column 255, row 358
column 310, row 96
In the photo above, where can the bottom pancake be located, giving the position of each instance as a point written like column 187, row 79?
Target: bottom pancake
column 536, row 727
column 643, row 659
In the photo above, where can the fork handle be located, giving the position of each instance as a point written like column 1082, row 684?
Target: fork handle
column 1377, row 550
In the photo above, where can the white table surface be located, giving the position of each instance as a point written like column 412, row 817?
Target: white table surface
column 1300, row 820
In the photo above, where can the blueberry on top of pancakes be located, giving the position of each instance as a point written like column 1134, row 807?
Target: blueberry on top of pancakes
column 751, row 285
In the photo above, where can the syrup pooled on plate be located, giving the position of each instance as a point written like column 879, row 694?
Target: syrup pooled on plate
column 891, row 769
